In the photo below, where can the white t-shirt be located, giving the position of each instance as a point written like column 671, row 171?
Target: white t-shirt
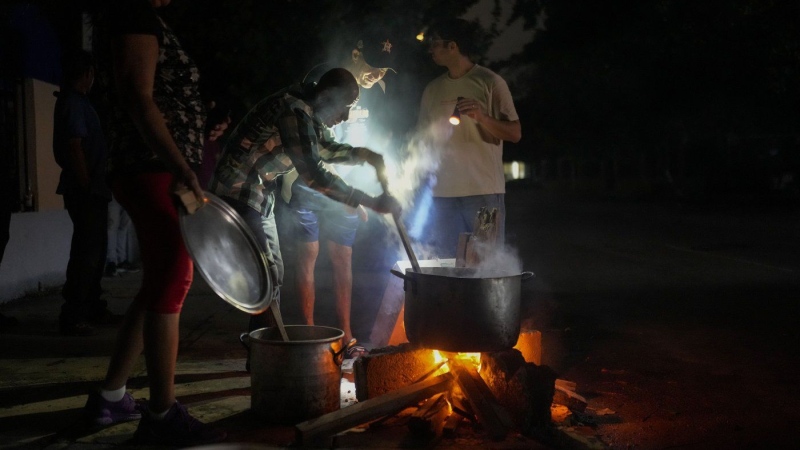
column 471, row 159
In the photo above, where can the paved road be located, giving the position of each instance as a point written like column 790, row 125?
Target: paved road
column 681, row 320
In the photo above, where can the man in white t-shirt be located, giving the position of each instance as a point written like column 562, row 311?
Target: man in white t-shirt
column 470, row 173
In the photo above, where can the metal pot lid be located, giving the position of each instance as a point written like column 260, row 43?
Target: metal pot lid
column 227, row 255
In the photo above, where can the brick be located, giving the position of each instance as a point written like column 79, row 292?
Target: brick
column 387, row 369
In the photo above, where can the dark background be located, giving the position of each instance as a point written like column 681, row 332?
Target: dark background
column 661, row 219
column 660, row 99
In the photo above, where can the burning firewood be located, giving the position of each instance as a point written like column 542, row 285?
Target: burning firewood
column 451, row 425
column 371, row 409
column 460, row 404
column 524, row 389
column 429, row 418
column 482, row 404
column 565, row 395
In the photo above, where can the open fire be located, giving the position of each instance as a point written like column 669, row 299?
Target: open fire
column 442, row 358
column 492, row 392
column 497, row 390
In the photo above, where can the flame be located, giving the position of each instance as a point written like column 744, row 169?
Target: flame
column 437, row 357
column 471, row 358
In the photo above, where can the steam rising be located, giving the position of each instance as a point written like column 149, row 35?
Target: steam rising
column 410, row 170
column 407, row 170
column 497, row 261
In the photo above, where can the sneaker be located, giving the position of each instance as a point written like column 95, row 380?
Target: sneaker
column 177, row 429
column 355, row 351
column 99, row 411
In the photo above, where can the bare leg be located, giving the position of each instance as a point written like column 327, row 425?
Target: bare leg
column 304, row 278
column 158, row 335
column 161, row 333
column 127, row 348
column 341, row 260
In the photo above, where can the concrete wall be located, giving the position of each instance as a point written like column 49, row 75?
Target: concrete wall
column 44, row 170
column 37, row 253
column 38, row 250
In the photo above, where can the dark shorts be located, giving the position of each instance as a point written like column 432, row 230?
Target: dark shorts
column 318, row 217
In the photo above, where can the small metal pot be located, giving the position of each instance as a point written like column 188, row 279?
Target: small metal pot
column 452, row 309
column 295, row 380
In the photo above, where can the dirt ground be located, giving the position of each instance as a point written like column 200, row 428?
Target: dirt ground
column 678, row 322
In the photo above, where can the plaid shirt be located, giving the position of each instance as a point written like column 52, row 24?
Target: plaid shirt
column 278, row 135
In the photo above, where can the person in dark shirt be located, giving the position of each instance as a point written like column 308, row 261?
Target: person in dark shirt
column 156, row 125
column 79, row 147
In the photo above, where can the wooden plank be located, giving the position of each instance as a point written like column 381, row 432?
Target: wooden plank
column 451, row 425
column 429, row 418
column 461, row 250
column 401, row 230
column 460, row 404
column 483, row 239
column 482, row 405
column 371, row 409
column 565, row 384
column 570, row 399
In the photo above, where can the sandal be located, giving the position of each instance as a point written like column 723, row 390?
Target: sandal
column 355, row 351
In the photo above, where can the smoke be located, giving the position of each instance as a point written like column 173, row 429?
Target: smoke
column 410, row 173
column 421, row 158
column 496, row 260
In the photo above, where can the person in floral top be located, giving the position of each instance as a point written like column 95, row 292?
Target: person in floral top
column 155, row 130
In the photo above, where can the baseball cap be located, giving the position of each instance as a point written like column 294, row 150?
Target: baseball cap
column 378, row 51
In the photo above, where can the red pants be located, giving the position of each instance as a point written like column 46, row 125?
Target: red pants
column 167, row 268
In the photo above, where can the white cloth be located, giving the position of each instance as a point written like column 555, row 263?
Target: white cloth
column 471, row 158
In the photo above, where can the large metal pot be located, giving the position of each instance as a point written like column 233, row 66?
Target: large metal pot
column 295, row 380
column 456, row 310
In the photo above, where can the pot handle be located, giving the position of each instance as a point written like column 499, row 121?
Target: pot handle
column 399, row 274
column 527, row 276
column 244, row 338
column 338, row 357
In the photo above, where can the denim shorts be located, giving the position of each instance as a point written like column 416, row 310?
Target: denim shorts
column 318, row 217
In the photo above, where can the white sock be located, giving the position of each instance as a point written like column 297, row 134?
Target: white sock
column 113, row 395
column 161, row 415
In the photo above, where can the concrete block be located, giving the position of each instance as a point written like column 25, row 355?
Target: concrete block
column 390, row 368
column 524, row 389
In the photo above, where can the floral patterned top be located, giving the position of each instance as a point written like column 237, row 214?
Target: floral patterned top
column 175, row 91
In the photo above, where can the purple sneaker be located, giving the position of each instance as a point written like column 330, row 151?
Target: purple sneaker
column 177, row 429
column 100, row 411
